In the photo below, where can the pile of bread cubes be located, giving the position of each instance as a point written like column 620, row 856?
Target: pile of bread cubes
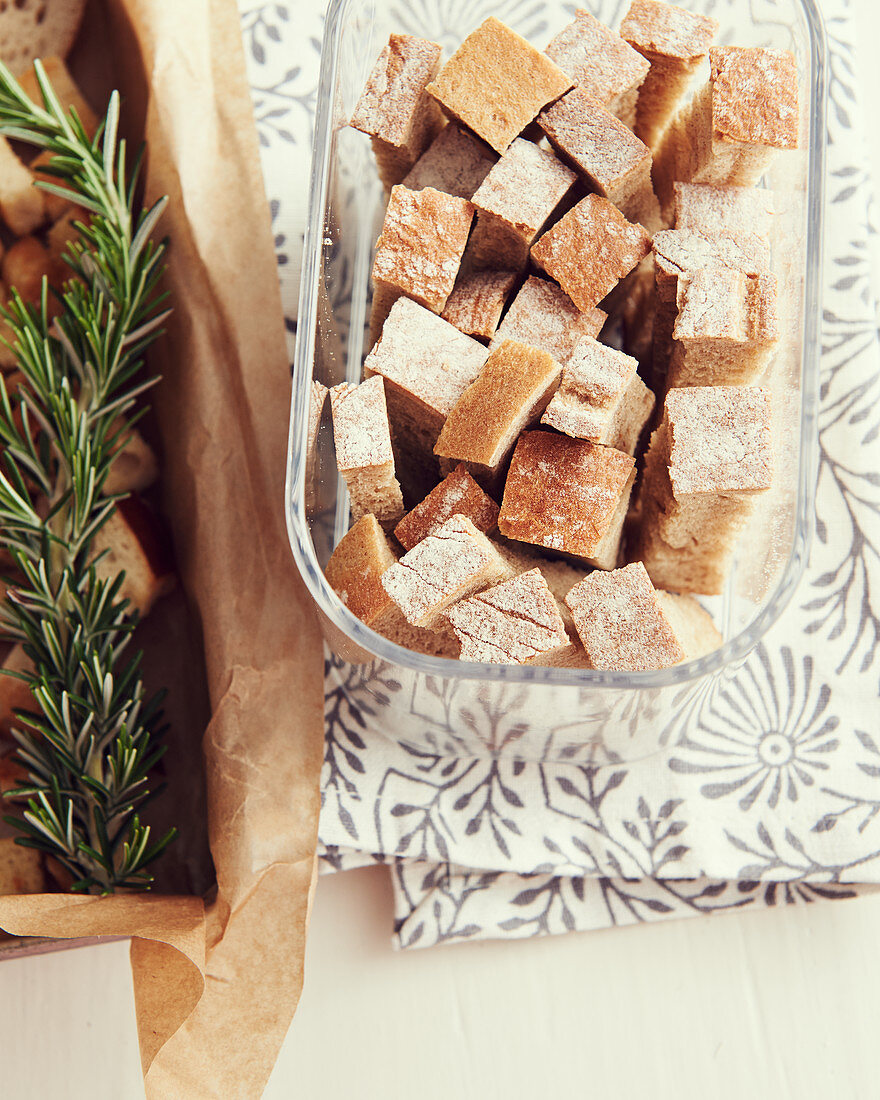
column 529, row 199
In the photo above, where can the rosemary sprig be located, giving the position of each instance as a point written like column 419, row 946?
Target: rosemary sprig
column 90, row 741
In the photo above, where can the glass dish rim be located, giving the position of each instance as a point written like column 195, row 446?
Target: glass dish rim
column 329, row 603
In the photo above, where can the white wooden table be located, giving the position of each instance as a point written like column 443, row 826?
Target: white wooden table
column 779, row 1004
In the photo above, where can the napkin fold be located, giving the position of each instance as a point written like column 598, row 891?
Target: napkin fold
column 770, row 792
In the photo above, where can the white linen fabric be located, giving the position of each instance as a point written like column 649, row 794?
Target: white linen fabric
column 771, row 794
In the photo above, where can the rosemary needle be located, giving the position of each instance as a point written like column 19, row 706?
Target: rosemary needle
column 90, row 741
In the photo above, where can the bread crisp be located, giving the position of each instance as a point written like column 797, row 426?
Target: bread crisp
column 515, row 622
column 675, row 42
column 590, row 249
column 567, row 495
column 38, row 28
column 613, row 160
column 543, row 315
column 601, row 398
column 453, row 563
column 477, row 301
column 427, row 365
column 394, row 108
column 495, row 83
column 457, row 494
column 421, row 244
column 514, row 203
column 363, row 449
column 455, row 162
column 509, row 394
column 600, row 62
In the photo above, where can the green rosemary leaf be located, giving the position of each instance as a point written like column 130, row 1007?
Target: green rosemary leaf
column 90, row 740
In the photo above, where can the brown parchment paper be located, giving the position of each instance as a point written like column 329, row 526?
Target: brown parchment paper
column 216, row 984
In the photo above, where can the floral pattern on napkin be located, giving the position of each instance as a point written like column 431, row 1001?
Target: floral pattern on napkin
column 769, row 793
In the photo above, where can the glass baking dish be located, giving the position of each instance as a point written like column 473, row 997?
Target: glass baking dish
column 435, row 704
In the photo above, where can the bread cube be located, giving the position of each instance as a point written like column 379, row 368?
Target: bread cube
column 427, row 365
column 133, row 541
column 544, row 316
column 599, row 61
column 732, row 128
column 355, row 571
column 561, row 576
column 675, row 42
column 421, row 244
column 453, row 563
column 590, row 250
column 509, row 394
column 567, row 495
column 727, row 328
column 514, row 203
column 477, row 301
column 741, row 212
column 15, row 694
column 517, row 623
column 363, row 449
column 457, row 494
column 394, row 108
column 26, row 263
column 626, row 625
column 614, row 161
column 707, row 462
column 455, row 162
column 22, row 205
column 317, row 398
column 601, row 398
column 496, row 83
column 678, row 254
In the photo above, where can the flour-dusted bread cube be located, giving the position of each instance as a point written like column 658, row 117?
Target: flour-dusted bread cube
column 734, row 126
column 514, row 203
column 363, row 449
column 561, row 576
column 727, row 328
column 601, row 398
column 427, row 365
column 478, row 300
column 317, row 399
column 516, row 622
column 394, row 108
column 708, row 460
column 22, row 205
column 607, row 153
column 421, row 244
column 599, row 61
column 626, row 625
column 355, row 571
column 453, row 563
column 741, row 212
column 567, row 495
column 678, row 254
column 675, row 43
column 496, row 83
column 543, row 315
column 457, row 494
column 508, row 395
column 133, row 542
column 455, row 162
column 15, row 694
column 590, row 249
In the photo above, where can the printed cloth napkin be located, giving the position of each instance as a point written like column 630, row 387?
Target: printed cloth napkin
column 771, row 795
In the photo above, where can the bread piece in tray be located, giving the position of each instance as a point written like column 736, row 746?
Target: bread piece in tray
column 602, row 63
column 625, row 624
column 496, row 82
column 543, row 315
column 394, row 108
column 567, row 495
column 675, row 42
